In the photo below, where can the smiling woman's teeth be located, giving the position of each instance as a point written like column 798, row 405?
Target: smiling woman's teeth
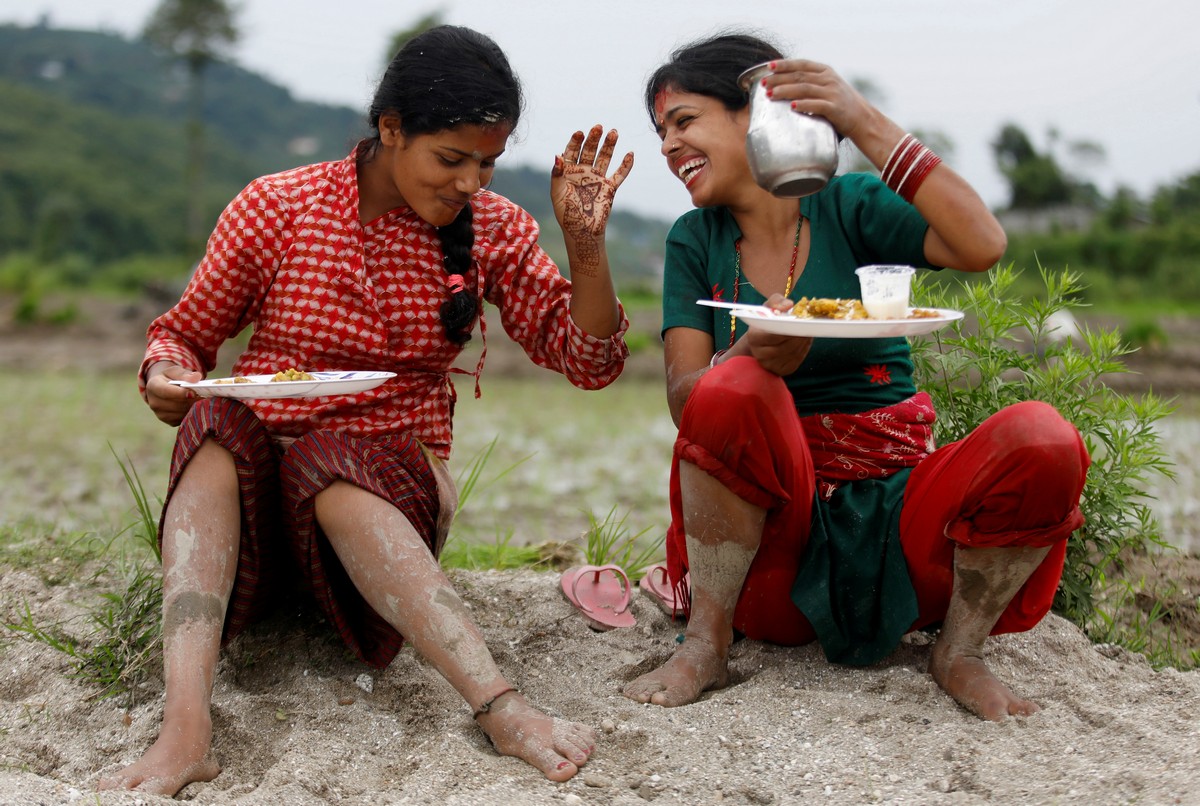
column 688, row 168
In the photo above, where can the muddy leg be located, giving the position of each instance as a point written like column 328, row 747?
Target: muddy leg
column 985, row 581
column 200, row 545
column 390, row 565
column 723, row 533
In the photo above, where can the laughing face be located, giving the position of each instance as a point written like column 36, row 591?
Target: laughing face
column 705, row 145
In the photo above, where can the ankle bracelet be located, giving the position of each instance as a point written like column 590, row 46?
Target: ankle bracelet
column 487, row 704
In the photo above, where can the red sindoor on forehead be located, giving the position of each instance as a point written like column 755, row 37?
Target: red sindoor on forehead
column 660, row 102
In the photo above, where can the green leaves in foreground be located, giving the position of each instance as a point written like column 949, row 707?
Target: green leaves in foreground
column 120, row 644
column 500, row 554
column 121, row 641
column 609, row 542
column 1007, row 350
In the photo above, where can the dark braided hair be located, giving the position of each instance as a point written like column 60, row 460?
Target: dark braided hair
column 711, row 67
column 447, row 77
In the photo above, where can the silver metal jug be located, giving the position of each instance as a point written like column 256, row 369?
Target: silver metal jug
column 791, row 154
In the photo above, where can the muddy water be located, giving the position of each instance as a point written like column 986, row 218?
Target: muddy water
column 1176, row 503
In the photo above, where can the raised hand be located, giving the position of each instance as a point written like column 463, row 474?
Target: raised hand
column 582, row 192
column 817, row 89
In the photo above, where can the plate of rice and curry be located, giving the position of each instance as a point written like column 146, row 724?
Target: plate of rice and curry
column 836, row 318
column 287, row 383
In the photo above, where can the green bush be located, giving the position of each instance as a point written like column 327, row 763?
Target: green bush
column 73, row 272
column 19, row 271
column 1003, row 353
column 1123, row 259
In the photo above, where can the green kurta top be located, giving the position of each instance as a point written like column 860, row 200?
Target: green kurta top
column 853, row 585
column 855, row 221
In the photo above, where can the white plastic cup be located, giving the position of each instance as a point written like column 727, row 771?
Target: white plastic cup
column 885, row 290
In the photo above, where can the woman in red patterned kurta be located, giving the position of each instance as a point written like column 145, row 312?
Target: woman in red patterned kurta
column 381, row 261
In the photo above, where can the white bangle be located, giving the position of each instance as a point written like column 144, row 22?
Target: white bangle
column 890, row 164
column 716, row 357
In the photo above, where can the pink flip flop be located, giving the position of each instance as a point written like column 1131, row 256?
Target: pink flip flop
column 656, row 584
column 602, row 599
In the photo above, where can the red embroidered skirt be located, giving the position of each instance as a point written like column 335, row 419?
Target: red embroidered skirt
column 1014, row 481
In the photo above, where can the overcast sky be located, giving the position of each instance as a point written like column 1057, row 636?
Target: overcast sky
column 1122, row 74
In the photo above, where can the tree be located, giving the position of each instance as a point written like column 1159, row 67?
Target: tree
column 1124, row 211
column 400, row 38
column 1036, row 180
column 856, row 162
column 1177, row 200
column 197, row 32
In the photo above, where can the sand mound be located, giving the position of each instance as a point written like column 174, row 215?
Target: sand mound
column 299, row 722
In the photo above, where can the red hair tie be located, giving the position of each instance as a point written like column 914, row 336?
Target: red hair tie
column 456, row 283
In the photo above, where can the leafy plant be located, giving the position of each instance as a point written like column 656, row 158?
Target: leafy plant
column 122, row 641
column 126, row 641
column 500, row 554
column 146, row 528
column 1146, row 335
column 609, row 542
column 468, row 480
column 1006, row 351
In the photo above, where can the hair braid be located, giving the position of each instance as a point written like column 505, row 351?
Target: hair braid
column 458, row 312
column 442, row 79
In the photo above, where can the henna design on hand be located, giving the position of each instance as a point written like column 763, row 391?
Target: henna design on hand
column 585, row 216
column 584, row 195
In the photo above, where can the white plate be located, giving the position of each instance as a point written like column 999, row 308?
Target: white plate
column 261, row 386
column 764, row 318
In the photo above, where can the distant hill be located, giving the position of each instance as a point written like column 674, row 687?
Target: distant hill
column 92, row 150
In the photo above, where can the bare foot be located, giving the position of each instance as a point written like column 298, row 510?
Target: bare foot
column 968, row 680
column 176, row 759
column 555, row 746
column 695, row 668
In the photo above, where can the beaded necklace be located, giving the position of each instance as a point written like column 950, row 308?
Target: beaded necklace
column 737, row 274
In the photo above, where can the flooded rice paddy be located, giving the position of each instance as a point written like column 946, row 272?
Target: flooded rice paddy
column 561, row 458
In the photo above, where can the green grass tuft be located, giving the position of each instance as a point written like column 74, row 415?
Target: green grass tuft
column 609, row 542
column 120, row 643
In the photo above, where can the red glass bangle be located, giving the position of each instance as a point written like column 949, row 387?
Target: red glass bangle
column 900, row 154
column 904, row 164
column 908, row 188
column 890, row 164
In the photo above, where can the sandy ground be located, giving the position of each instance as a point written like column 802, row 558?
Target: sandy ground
column 298, row 722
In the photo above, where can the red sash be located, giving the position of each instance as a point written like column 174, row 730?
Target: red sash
column 869, row 445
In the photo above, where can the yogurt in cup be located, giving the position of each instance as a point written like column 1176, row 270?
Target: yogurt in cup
column 885, row 290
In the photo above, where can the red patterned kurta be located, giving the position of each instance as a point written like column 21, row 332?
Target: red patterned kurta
column 323, row 291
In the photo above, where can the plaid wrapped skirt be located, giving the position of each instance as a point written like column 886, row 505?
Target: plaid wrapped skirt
column 282, row 547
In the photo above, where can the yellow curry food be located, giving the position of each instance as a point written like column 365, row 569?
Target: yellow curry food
column 825, row 308
column 292, row 374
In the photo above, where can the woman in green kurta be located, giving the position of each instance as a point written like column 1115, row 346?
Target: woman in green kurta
column 808, row 499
